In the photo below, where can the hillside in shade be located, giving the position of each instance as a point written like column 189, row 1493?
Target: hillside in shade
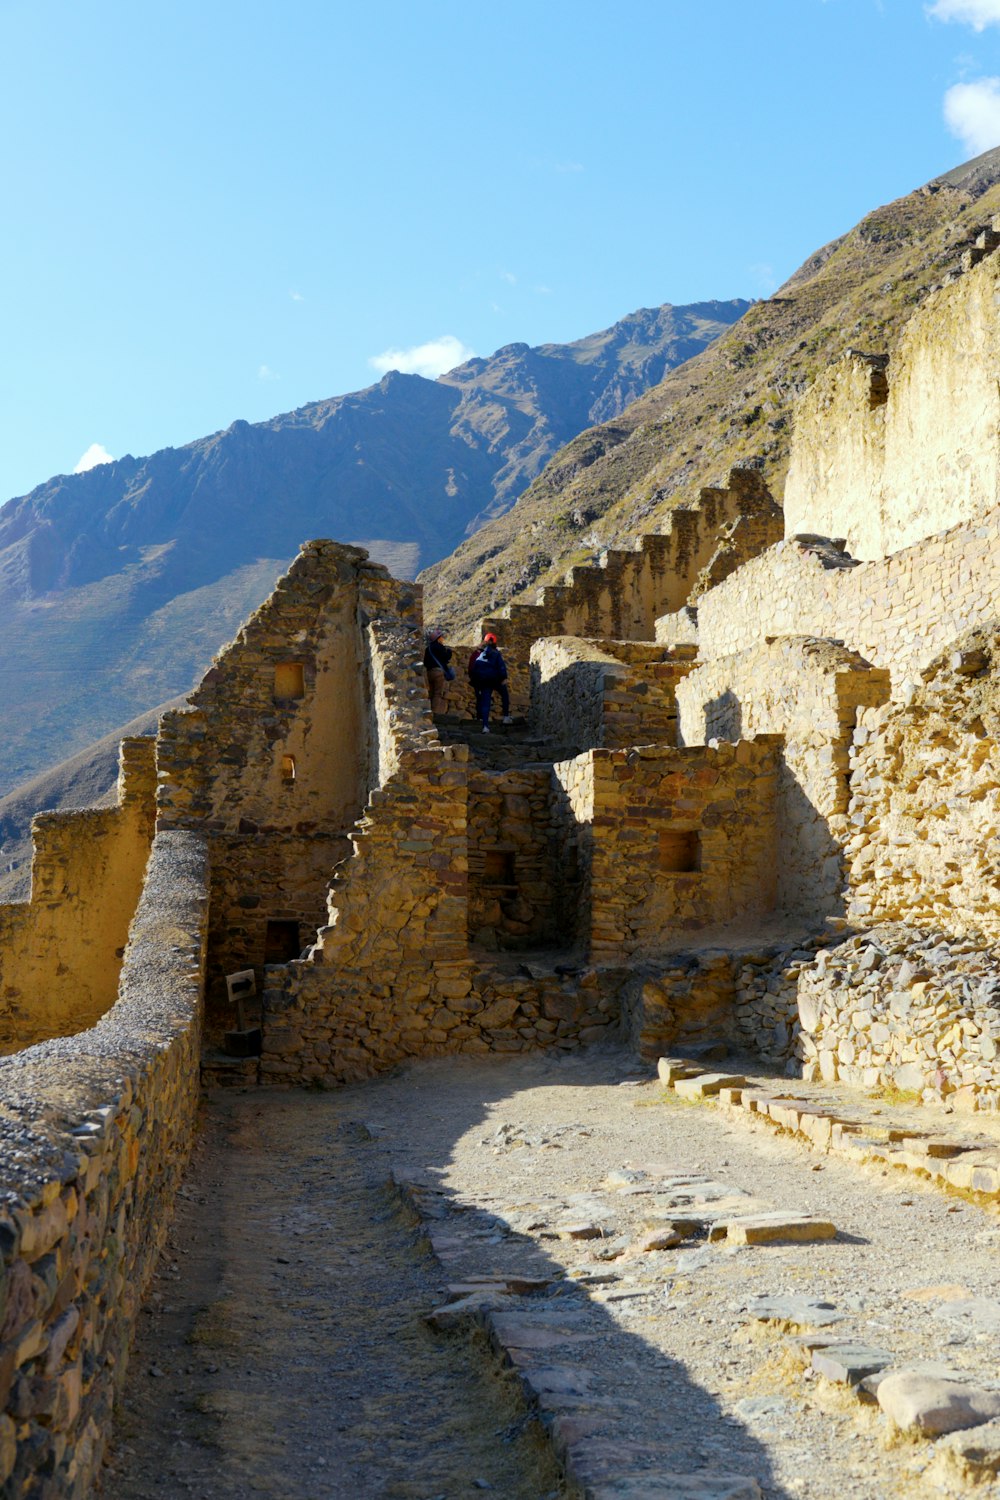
column 119, row 584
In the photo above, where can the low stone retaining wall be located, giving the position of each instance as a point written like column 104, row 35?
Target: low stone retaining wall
column 96, row 1131
column 611, row 693
column 318, row 1030
column 889, row 1008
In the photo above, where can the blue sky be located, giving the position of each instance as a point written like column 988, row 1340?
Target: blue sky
column 228, row 208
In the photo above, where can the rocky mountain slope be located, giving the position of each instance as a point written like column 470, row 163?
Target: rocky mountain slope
column 118, row 585
column 731, row 404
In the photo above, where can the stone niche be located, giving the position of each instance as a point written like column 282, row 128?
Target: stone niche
column 523, row 881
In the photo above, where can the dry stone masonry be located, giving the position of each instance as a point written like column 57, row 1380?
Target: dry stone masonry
column 753, row 801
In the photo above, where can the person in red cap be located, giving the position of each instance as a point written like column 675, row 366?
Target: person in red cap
column 488, row 674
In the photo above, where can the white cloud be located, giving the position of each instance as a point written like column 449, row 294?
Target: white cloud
column 296, row 296
column 431, row 359
column 544, row 291
column 972, row 114
column 509, row 277
column 264, row 372
column 96, row 454
column 975, row 13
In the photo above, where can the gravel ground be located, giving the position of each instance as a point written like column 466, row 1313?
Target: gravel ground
column 289, row 1336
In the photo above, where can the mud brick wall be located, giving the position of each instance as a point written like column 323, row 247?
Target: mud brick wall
column 810, row 692
column 671, row 841
column 61, row 952
column 612, row 693
column 97, row 1132
column 518, row 878
column 925, row 810
column 622, row 596
column 884, row 456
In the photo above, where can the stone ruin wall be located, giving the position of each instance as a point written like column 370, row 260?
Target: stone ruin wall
column 97, row 1130
column 622, row 597
column 61, row 951
column 887, row 452
column 898, row 613
column 670, row 841
column 610, row 693
column 272, row 760
column 809, row 692
column 521, row 893
column 392, row 975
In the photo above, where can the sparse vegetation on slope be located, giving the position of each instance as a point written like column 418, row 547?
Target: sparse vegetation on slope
column 731, row 404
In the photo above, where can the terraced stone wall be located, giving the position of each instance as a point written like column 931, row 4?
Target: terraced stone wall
column 622, row 596
column 97, row 1128
column 61, row 951
column 898, row 612
column 670, row 841
column 612, row 693
column 885, row 456
column 809, row 692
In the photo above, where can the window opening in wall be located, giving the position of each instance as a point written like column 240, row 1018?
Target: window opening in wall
column 498, row 868
column 288, row 768
column 289, row 680
column 281, row 942
column 679, row 851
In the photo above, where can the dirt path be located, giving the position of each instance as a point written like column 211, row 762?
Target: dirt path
column 311, row 1372
column 284, row 1354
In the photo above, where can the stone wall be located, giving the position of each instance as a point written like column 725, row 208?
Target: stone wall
column 613, row 693
column 892, row 1007
column 670, row 841
column 520, row 892
column 809, row 692
column 622, row 596
column 925, row 810
column 61, row 952
column 883, row 462
column 97, row 1132
column 898, row 612
column 276, row 754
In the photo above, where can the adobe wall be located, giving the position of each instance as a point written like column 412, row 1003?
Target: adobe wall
column 670, row 841
column 622, row 596
column 275, row 757
column 898, row 612
column 809, row 692
column 612, row 693
column 61, row 951
column 98, row 1131
column 884, row 464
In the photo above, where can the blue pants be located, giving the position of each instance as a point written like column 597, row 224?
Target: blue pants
column 484, row 699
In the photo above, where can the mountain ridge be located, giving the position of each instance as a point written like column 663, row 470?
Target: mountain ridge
column 118, row 585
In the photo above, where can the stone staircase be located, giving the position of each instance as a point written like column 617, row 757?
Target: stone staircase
column 506, row 746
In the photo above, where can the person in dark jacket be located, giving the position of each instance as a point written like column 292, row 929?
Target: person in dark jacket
column 488, row 674
column 437, row 657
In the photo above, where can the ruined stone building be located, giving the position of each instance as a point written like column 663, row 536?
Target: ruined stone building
column 745, row 739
